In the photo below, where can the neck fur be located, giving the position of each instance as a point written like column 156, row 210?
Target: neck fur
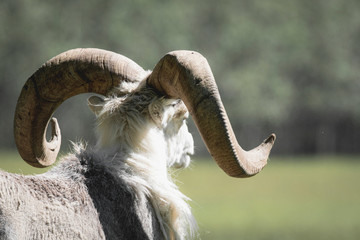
column 150, row 178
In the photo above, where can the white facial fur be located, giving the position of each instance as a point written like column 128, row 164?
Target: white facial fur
column 126, row 119
column 180, row 143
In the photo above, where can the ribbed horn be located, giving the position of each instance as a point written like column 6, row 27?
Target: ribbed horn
column 187, row 75
column 66, row 75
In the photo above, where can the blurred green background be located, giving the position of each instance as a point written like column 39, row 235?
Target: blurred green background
column 289, row 67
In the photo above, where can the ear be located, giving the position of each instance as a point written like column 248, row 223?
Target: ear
column 96, row 104
column 156, row 112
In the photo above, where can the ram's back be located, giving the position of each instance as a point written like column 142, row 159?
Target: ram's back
column 45, row 207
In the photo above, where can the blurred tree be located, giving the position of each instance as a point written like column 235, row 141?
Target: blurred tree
column 285, row 66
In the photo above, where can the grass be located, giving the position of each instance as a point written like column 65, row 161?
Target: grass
column 313, row 199
column 12, row 162
column 292, row 198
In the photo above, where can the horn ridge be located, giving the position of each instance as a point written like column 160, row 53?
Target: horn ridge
column 68, row 74
column 188, row 76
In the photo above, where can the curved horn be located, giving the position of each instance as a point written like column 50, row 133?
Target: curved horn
column 66, row 75
column 187, row 75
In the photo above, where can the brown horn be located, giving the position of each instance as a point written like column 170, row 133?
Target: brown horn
column 187, row 75
column 66, row 75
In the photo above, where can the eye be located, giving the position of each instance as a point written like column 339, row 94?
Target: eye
column 175, row 103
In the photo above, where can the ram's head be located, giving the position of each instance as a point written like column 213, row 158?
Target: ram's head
column 183, row 75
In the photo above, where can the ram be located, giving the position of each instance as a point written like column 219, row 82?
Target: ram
column 120, row 188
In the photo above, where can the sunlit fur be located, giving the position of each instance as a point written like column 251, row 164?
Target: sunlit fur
column 119, row 189
column 148, row 132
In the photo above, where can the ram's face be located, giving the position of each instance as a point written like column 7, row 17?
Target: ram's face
column 170, row 116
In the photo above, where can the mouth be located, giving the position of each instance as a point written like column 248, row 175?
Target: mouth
column 187, row 156
column 189, row 151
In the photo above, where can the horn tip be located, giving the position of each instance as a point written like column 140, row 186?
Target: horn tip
column 271, row 139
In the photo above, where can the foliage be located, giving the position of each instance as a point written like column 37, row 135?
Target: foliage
column 285, row 66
